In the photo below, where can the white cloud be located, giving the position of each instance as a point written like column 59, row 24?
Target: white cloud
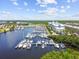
column 27, row 9
column 25, row 3
column 38, row 1
column 4, row 15
column 40, row 11
column 7, row 15
column 13, row 0
column 68, row 1
column 33, row 10
column 49, row 11
column 19, row 8
column 42, row 5
column 50, row 1
column 68, row 6
column 6, row 12
column 74, row 1
column 15, row 3
column 63, row 11
column 46, row 1
column 76, row 15
column 62, row 6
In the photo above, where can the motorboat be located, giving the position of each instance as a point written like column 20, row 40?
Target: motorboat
column 46, row 43
column 28, row 41
column 19, row 45
column 51, row 42
column 18, row 28
column 62, row 45
column 22, row 28
column 42, row 41
column 31, row 41
column 43, row 46
column 23, row 41
column 28, row 46
column 38, row 42
column 24, row 45
column 57, row 45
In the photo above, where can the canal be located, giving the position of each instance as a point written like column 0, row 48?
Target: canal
column 10, row 39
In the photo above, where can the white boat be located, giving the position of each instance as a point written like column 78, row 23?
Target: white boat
column 28, row 41
column 44, row 35
column 22, row 28
column 62, row 45
column 20, row 45
column 18, row 28
column 46, row 43
column 23, row 41
column 41, row 35
column 28, row 46
column 28, row 35
column 42, row 41
column 31, row 41
column 31, row 36
column 56, row 45
column 38, row 42
column 43, row 46
column 24, row 45
column 51, row 42
column 16, row 46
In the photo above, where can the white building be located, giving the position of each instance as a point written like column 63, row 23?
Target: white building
column 57, row 27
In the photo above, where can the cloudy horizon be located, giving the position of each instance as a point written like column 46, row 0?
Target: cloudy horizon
column 39, row 9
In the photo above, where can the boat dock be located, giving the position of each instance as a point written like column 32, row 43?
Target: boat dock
column 27, row 44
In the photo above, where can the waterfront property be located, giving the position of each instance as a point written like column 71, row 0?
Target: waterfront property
column 33, row 39
column 57, row 27
column 6, row 27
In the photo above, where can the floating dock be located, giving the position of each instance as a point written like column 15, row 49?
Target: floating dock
column 27, row 44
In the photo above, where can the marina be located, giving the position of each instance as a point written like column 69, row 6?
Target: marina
column 27, row 43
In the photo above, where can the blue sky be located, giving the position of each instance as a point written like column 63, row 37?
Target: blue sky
column 39, row 9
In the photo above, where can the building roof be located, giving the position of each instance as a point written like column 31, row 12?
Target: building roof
column 56, row 24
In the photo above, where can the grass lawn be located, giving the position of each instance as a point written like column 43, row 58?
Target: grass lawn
column 68, row 54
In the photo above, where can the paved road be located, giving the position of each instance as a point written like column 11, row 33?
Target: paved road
column 75, row 27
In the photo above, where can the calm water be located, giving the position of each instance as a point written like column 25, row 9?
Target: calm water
column 10, row 39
